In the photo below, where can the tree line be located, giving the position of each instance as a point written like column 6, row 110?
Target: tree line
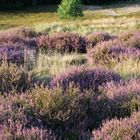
column 17, row 4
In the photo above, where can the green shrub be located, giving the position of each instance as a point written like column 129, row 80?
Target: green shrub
column 70, row 9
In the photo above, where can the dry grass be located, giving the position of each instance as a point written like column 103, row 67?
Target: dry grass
column 117, row 18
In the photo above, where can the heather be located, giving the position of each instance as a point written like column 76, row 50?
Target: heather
column 110, row 53
column 85, row 78
column 123, row 98
column 132, row 39
column 44, row 113
column 63, row 43
column 127, row 128
column 98, row 37
column 13, row 78
column 70, row 79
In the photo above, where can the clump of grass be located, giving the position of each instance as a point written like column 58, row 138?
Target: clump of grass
column 128, row 68
column 51, row 65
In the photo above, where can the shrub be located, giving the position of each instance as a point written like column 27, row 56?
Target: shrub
column 47, row 109
column 12, row 52
column 131, row 39
column 128, row 128
column 62, row 111
column 70, row 9
column 126, row 36
column 134, row 41
column 21, row 32
column 85, row 78
column 111, row 53
column 114, row 100
column 16, row 131
column 98, row 37
column 10, row 38
column 13, row 78
column 63, row 43
column 17, row 123
column 19, row 35
column 123, row 98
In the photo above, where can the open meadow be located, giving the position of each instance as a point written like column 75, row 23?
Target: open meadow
column 75, row 79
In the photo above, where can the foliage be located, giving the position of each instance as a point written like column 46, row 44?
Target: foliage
column 70, row 9
column 123, row 98
column 63, row 43
column 98, row 37
column 85, row 78
column 132, row 39
column 111, row 53
column 127, row 128
column 14, row 78
column 45, row 110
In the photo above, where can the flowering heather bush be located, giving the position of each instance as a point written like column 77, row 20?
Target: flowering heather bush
column 10, row 38
column 85, row 78
column 13, row 38
column 20, row 32
column 128, row 128
column 123, row 98
column 17, row 123
column 98, row 37
column 25, row 32
column 13, row 78
column 63, row 43
column 12, row 52
column 134, row 41
column 17, row 131
column 46, row 109
column 19, row 52
column 112, row 52
column 131, row 39
column 62, row 110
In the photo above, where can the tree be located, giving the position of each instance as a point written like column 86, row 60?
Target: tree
column 69, row 9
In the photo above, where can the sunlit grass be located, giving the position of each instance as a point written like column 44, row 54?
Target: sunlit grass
column 128, row 69
column 113, row 19
column 51, row 65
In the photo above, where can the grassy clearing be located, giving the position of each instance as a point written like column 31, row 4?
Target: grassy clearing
column 51, row 65
column 114, row 19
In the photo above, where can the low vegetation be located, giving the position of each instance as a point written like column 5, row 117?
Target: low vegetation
column 76, row 81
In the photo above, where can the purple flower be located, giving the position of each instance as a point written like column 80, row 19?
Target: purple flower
column 85, row 78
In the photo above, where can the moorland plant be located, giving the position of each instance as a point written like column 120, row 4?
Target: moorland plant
column 81, row 84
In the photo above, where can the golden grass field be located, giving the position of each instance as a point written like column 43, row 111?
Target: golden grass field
column 112, row 18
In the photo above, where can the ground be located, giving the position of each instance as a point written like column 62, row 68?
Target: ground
column 112, row 18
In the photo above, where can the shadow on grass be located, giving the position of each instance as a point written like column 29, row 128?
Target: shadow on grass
column 112, row 5
column 34, row 9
